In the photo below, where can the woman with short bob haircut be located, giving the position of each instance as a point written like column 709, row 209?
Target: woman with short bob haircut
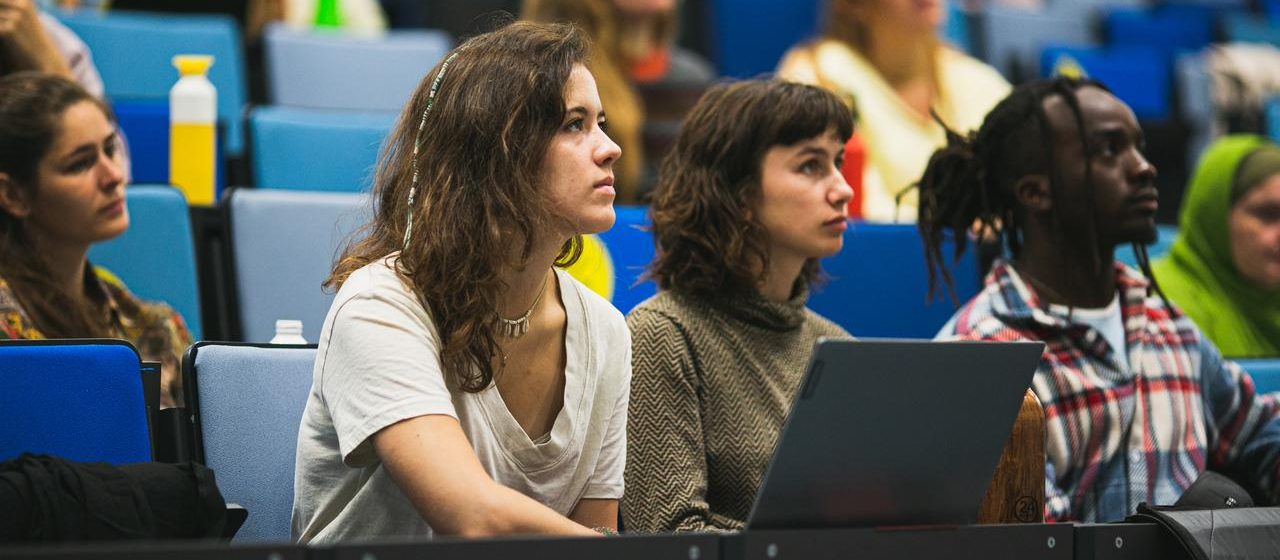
column 464, row 385
column 749, row 199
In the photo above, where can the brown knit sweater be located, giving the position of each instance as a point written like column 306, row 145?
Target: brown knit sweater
column 712, row 382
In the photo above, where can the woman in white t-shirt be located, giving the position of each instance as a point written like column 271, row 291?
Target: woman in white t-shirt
column 465, row 385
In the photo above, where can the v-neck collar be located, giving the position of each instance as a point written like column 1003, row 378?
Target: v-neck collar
column 569, row 425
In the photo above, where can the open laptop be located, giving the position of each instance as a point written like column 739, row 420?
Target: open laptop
column 892, row 433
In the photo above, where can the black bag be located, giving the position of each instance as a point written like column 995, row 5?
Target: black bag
column 1215, row 518
column 55, row 500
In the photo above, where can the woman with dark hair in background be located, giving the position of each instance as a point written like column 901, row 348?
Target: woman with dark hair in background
column 464, row 384
column 62, row 189
column 749, row 199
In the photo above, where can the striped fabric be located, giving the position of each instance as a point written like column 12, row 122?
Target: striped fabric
column 1125, row 431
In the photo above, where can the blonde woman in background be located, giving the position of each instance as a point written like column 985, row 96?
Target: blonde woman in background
column 886, row 56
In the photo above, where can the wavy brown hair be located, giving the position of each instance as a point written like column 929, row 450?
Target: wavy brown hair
column 709, row 242
column 479, row 209
column 31, row 109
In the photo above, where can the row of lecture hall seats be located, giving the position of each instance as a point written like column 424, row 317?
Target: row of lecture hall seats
column 340, row 94
column 83, row 400
column 876, row 285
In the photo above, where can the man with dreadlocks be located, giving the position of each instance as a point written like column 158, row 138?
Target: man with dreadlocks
column 1137, row 402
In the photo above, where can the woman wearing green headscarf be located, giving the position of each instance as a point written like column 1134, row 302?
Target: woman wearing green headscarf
column 1224, row 269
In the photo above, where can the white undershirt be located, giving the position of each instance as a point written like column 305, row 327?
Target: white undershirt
column 1108, row 321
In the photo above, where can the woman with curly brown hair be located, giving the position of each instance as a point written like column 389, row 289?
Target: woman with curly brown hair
column 748, row 201
column 464, row 385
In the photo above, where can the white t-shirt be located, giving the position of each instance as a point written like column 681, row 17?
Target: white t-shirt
column 378, row 363
column 1108, row 321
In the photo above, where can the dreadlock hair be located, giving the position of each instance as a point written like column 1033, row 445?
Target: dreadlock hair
column 971, row 179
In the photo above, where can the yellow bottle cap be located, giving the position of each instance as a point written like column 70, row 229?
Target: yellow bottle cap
column 193, row 64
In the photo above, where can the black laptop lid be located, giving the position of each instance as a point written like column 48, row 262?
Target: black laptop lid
column 894, row 433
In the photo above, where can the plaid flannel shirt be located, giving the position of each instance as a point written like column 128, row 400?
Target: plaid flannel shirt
column 1125, row 431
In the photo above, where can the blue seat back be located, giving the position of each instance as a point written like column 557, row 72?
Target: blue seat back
column 750, row 36
column 1247, row 28
column 284, row 244
column 156, row 256
column 1265, row 373
column 1170, row 29
column 878, row 284
column 630, row 246
column 1139, row 76
column 306, row 149
column 78, row 399
column 134, row 52
column 1014, row 38
column 1164, row 241
column 247, row 402
column 145, row 125
column 335, row 71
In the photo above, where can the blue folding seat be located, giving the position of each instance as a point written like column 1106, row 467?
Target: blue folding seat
column 1265, row 373
column 749, row 37
column 307, row 149
column 155, row 257
column 1014, row 38
column 283, row 245
column 325, row 70
column 1164, row 242
column 1140, row 76
column 134, row 51
column 630, row 247
column 78, row 399
column 247, row 402
column 878, row 284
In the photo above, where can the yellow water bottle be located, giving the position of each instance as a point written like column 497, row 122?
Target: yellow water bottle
column 193, row 114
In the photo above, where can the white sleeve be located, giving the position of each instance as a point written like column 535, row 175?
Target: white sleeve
column 606, row 481
column 381, row 366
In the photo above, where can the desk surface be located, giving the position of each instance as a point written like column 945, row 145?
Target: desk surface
column 1023, row 542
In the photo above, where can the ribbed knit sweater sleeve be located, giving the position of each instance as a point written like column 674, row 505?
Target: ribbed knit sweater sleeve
column 667, row 438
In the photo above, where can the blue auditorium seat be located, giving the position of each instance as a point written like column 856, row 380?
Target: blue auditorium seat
column 1014, row 38
column 145, row 126
column 247, row 401
column 77, row 399
column 1164, row 242
column 133, row 51
column 749, row 37
column 307, row 149
column 325, row 70
column 879, row 282
column 156, row 256
column 630, row 246
column 1170, row 29
column 284, row 244
column 1265, row 373
column 1247, row 28
column 1140, row 76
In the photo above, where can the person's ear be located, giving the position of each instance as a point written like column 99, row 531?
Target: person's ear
column 1032, row 192
column 14, row 200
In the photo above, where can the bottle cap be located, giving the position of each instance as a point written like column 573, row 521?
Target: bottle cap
column 288, row 326
column 192, row 64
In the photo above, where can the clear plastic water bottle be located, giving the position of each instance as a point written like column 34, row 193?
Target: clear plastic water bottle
column 288, row 331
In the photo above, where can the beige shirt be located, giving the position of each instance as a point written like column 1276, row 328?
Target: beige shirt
column 378, row 363
column 899, row 140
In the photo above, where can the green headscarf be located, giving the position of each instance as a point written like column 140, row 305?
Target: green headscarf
column 1199, row 274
